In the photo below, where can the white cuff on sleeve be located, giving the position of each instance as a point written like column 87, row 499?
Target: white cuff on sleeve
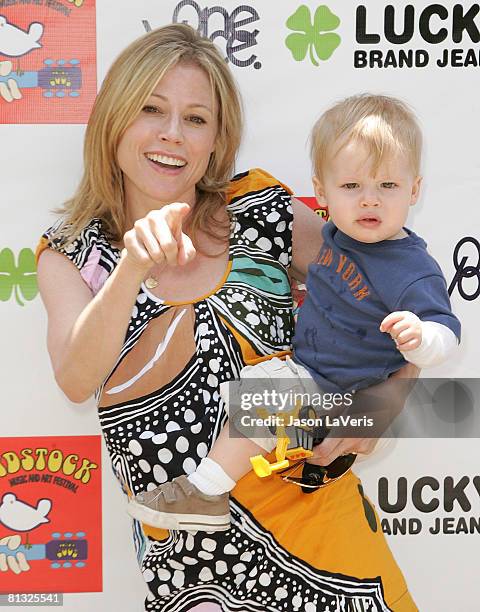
column 438, row 341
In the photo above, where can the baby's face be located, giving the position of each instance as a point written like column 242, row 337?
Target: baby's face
column 365, row 207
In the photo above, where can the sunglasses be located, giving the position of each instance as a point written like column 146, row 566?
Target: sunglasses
column 314, row 477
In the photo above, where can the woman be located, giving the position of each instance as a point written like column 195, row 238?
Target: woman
column 172, row 292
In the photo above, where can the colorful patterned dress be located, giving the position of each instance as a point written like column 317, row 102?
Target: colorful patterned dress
column 160, row 412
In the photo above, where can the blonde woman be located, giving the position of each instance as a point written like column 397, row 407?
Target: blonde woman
column 165, row 278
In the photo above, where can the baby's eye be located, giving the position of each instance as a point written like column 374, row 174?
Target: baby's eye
column 196, row 119
column 350, row 185
column 389, row 185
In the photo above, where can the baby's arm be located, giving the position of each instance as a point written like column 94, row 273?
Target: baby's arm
column 427, row 337
column 423, row 343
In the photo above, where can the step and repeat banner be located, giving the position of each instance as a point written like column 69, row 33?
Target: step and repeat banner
column 292, row 60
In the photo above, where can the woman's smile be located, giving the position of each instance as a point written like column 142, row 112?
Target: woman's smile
column 163, row 162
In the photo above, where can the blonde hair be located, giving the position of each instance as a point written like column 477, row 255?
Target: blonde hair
column 385, row 126
column 129, row 83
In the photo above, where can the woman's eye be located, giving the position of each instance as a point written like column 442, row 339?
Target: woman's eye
column 389, row 185
column 196, row 119
column 350, row 185
column 148, row 108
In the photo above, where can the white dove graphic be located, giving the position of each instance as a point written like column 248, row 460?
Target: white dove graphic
column 19, row 516
column 15, row 42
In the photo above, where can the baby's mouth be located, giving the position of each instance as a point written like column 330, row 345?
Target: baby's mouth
column 369, row 221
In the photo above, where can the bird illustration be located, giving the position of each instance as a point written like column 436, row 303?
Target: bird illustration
column 15, row 42
column 19, row 516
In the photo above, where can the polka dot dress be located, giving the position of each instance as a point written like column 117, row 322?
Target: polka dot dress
column 160, row 412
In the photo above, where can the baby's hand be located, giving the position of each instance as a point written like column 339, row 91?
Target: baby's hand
column 405, row 328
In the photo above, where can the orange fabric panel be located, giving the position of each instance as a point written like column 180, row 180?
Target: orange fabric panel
column 255, row 180
column 250, row 357
column 332, row 535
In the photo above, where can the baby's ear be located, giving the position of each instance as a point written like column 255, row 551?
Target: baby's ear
column 416, row 190
column 319, row 191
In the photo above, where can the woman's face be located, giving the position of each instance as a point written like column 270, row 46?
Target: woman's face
column 165, row 151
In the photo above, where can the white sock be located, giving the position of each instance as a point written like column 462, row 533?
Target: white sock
column 211, row 478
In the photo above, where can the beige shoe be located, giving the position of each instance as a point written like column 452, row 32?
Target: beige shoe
column 180, row 505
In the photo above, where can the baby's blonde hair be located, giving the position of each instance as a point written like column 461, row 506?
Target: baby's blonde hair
column 386, row 126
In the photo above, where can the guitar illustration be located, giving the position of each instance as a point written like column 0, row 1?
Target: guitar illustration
column 57, row 79
column 67, row 550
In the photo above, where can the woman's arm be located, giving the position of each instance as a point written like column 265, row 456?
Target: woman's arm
column 387, row 400
column 306, row 239
column 85, row 333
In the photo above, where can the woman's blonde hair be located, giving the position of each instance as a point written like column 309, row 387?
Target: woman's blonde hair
column 129, row 83
column 385, row 125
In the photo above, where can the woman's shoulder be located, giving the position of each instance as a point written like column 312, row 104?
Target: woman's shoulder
column 90, row 250
column 253, row 182
column 257, row 197
column 262, row 208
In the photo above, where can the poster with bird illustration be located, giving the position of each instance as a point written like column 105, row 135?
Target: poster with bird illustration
column 47, row 61
column 50, row 514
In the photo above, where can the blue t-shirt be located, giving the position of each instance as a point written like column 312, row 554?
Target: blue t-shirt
column 351, row 288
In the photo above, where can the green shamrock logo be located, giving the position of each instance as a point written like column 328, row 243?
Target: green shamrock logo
column 310, row 37
column 21, row 278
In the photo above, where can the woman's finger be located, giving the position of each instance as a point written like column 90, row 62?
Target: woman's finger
column 136, row 250
column 158, row 237
column 175, row 216
column 327, row 451
column 166, row 240
column 166, row 224
column 147, row 236
column 334, row 448
column 186, row 250
column 364, row 446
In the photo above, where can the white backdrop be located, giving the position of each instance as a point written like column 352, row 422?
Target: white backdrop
column 41, row 165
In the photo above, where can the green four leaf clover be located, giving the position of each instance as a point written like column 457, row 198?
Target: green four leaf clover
column 22, row 278
column 310, row 37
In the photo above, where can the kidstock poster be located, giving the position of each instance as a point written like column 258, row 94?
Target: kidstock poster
column 292, row 60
